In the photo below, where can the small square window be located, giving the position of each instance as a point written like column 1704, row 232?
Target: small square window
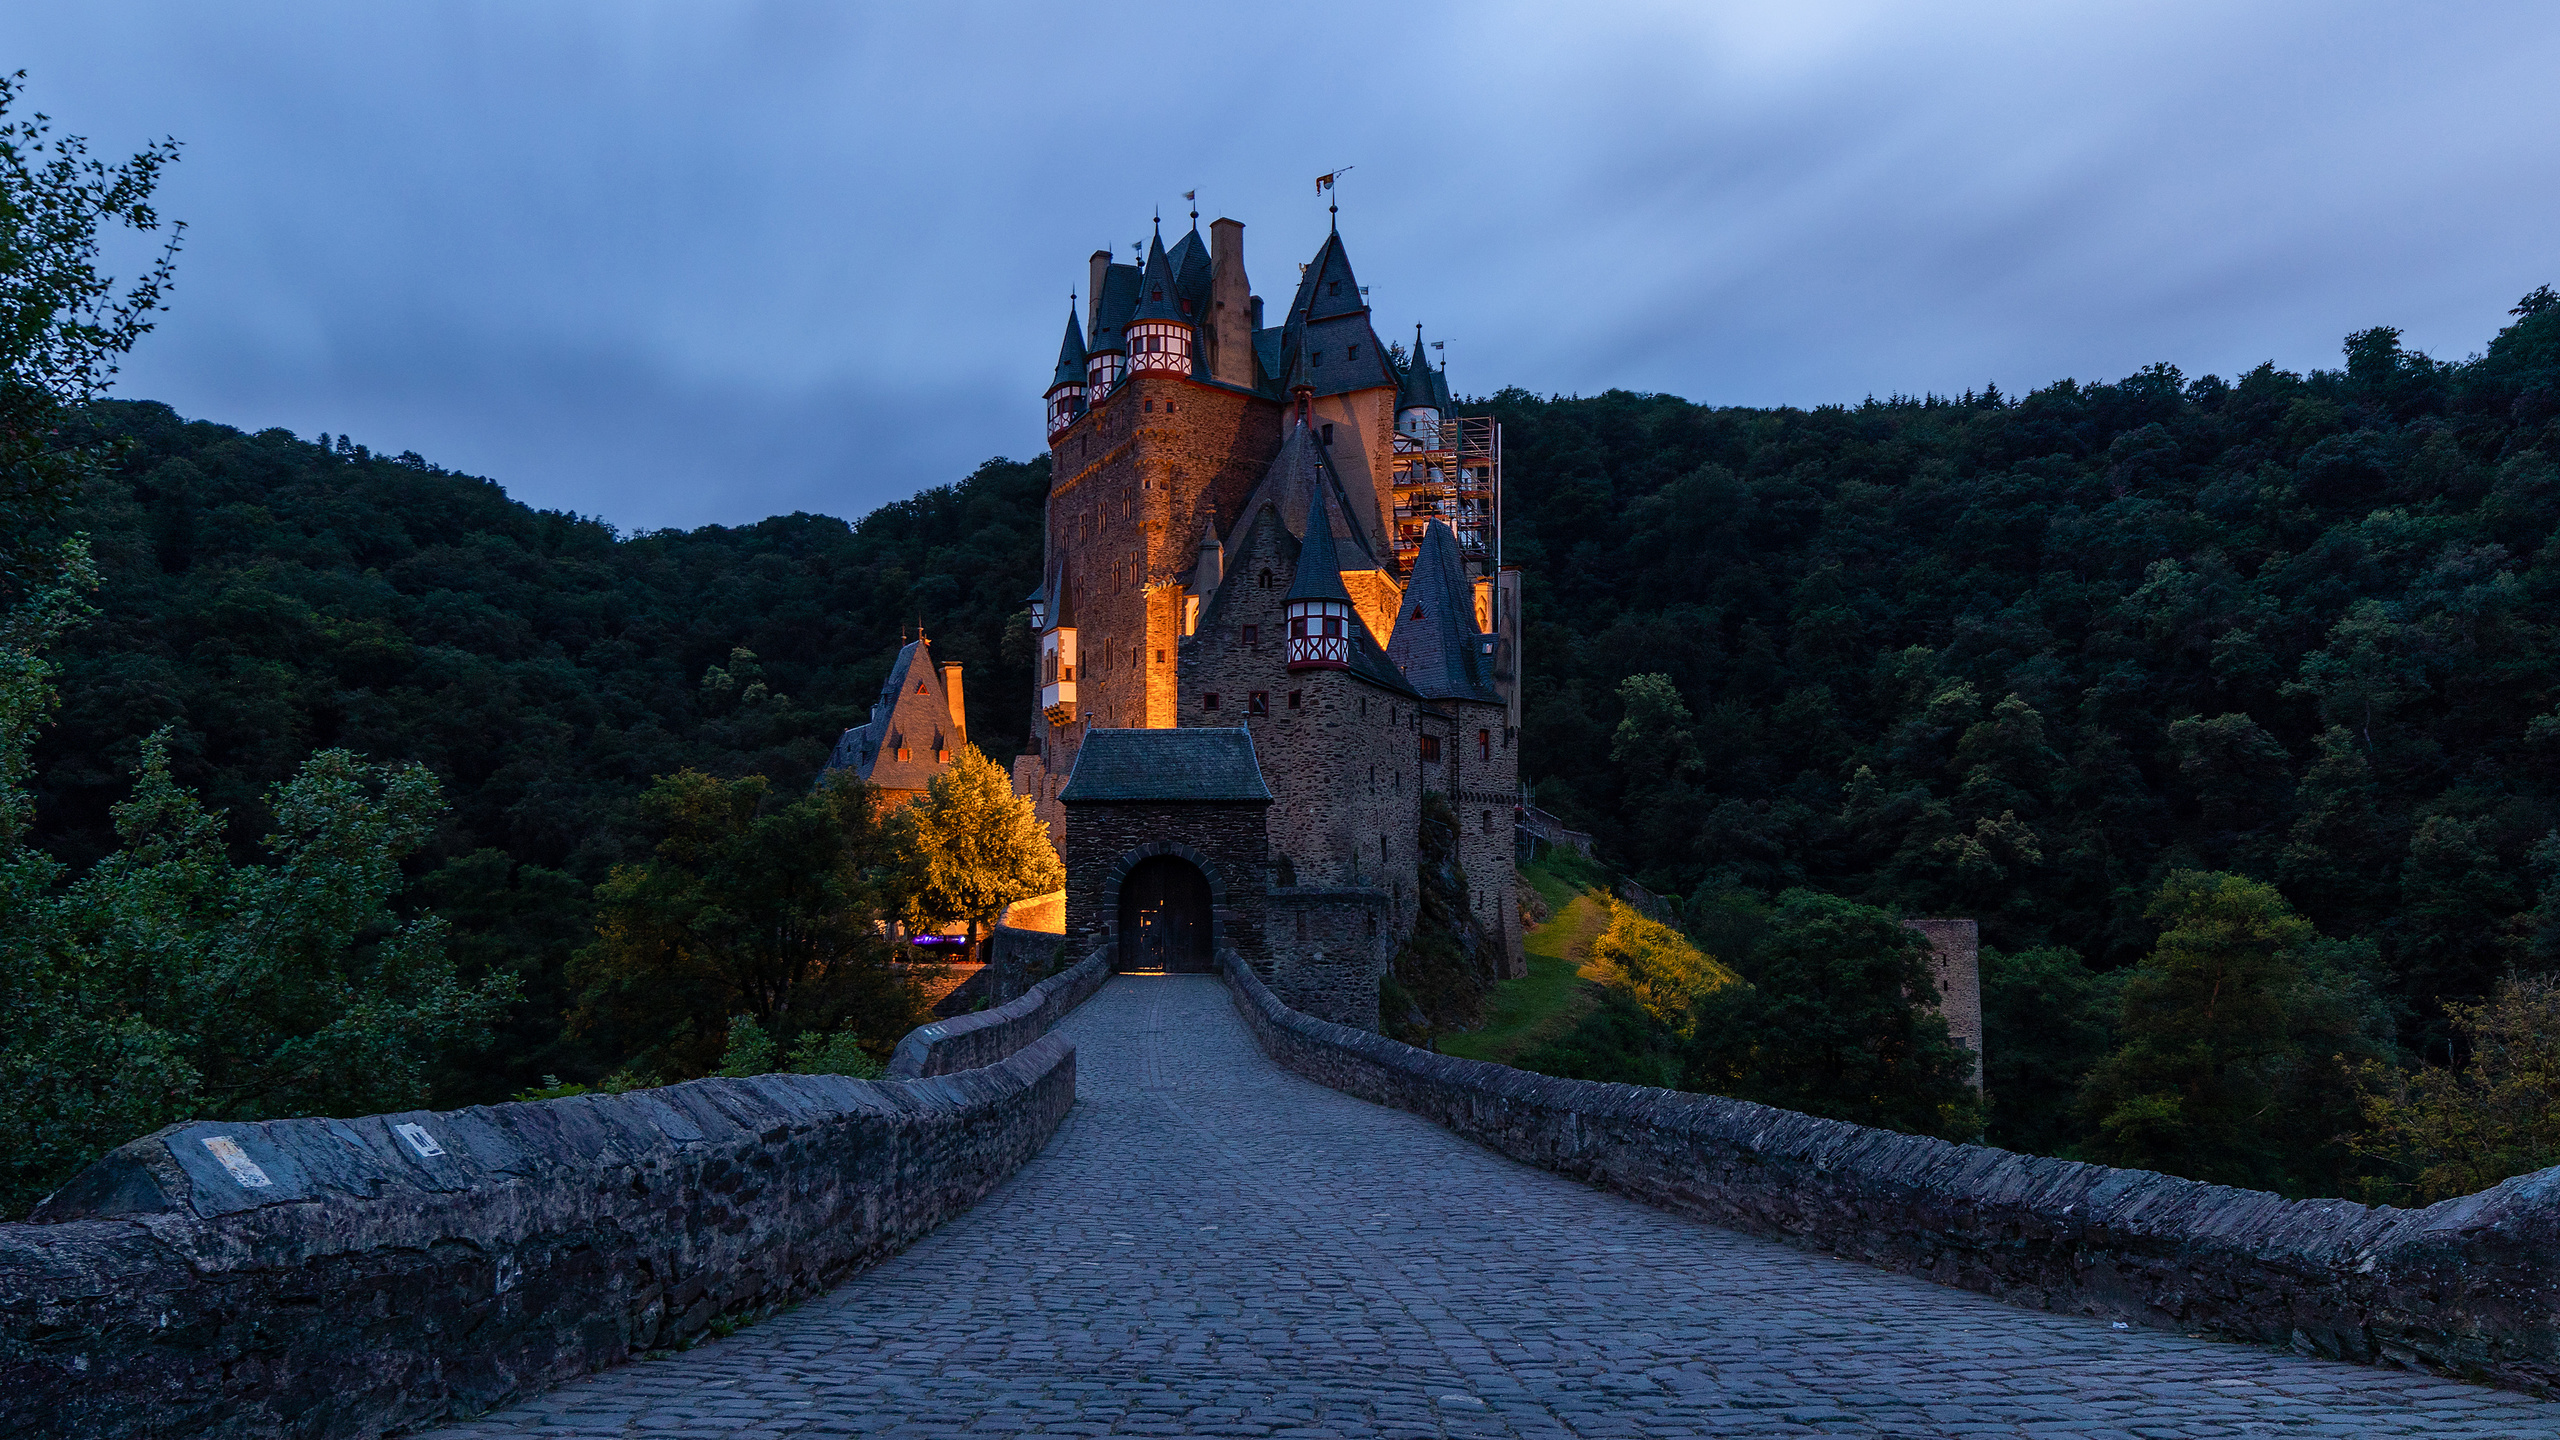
column 1430, row 749
column 1328, row 434
column 1209, row 701
column 1354, row 353
column 1258, row 703
column 905, row 754
column 1159, row 657
column 1253, row 635
column 1294, row 697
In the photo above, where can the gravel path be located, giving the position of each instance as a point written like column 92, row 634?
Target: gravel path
column 1213, row 1246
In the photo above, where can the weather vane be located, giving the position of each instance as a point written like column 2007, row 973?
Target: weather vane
column 1324, row 186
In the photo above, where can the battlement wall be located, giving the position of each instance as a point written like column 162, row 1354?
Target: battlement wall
column 324, row 1278
column 2462, row 1287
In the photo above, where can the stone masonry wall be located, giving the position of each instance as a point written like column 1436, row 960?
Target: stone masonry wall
column 2463, row 1287
column 1342, row 762
column 1231, row 836
column 324, row 1278
column 966, row 1042
column 1325, row 950
column 1955, row 962
column 1479, row 772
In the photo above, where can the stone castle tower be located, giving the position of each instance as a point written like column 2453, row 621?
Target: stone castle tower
column 1278, row 530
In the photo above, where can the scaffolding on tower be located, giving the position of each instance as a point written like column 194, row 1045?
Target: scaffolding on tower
column 1454, row 475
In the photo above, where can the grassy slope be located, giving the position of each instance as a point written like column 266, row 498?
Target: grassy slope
column 1553, row 996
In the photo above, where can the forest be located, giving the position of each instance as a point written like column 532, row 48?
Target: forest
column 2114, row 668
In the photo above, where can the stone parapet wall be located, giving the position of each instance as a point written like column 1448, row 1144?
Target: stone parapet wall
column 968, row 1042
column 325, row 1278
column 2464, row 1287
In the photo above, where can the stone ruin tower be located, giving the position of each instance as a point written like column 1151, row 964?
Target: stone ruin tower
column 1282, row 531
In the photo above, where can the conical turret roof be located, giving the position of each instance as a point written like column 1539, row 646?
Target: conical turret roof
column 1436, row 643
column 1159, row 294
column 1071, row 356
column 1416, row 392
column 1319, row 573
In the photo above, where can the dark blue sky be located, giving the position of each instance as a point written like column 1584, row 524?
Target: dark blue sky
column 676, row 264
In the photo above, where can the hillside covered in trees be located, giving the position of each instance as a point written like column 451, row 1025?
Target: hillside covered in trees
column 268, row 596
column 2025, row 659
column 2020, row 658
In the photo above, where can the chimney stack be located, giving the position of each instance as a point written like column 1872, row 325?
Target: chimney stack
column 1100, row 263
column 1231, row 307
column 951, row 692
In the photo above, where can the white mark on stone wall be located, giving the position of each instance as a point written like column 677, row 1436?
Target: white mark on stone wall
column 419, row 1140
column 237, row 1161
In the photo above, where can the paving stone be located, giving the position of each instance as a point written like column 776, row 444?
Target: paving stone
column 1212, row 1245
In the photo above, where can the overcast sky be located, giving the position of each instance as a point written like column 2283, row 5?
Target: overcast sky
column 685, row 264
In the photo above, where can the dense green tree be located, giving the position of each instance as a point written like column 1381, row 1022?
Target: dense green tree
column 968, row 847
column 770, row 912
column 168, row 981
column 1838, row 1017
column 63, row 325
column 2441, row 1131
column 2047, row 1021
column 2236, row 1033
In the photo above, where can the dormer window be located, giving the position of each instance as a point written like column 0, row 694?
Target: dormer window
column 1333, row 289
column 1319, row 635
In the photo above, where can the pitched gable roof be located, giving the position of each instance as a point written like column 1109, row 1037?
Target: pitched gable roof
column 913, row 714
column 1436, row 642
column 1159, row 293
column 1319, row 575
column 1300, row 471
column 1194, row 764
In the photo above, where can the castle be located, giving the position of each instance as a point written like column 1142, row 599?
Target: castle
column 1273, row 618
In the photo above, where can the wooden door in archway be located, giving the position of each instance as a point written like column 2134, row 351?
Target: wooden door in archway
column 1164, row 917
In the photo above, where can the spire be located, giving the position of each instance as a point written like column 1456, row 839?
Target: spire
column 1416, row 392
column 1071, row 356
column 1319, row 573
column 1159, row 297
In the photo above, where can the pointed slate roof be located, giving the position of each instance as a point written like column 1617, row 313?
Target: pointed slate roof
column 1062, row 596
column 1111, row 314
column 1190, row 257
column 1299, row 473
column 1436, row 642
column 1416, row 391
column 1159, row 295
column 1071, row 356
column 1327, row 329
column 1368, row 658
column 1440, row 388
column 1319, row 574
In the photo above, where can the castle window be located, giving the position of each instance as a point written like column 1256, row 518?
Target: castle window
column 1258, row 703
column 1294, row 697
column 1315, row 357
column 1265, row 582
column 1488, row 822
column 905, row 754
column 1253, row 633
column 1151, row 407
column 1484, row 744
column 1328, row 434
column 1209, row 701
column 1430, row 749
column 920, row 687
column 1334, row 289
column 1159, row 657
column 1354, row 353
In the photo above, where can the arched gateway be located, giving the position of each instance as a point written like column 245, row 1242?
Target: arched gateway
column 1167, row 923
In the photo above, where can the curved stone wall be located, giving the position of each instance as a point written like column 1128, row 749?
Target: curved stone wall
column 966, row 1042
column 324, row 1278
column 2468, row 1287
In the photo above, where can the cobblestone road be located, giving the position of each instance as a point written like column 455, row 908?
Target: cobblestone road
column 1212, row 1246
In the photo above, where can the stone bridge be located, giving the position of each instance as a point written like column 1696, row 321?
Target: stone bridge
column 1211, row 1244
